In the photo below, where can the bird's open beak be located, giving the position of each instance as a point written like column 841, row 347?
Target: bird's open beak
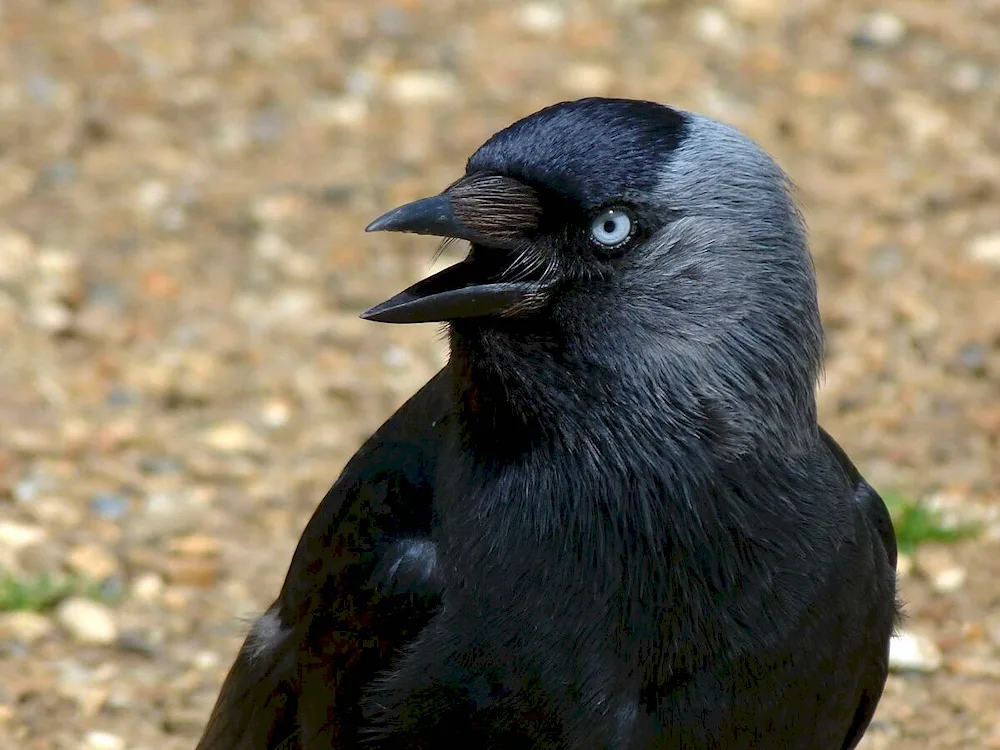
column 472, row 288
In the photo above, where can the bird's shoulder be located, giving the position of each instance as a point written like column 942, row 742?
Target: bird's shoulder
column 384, row 494
column 865, row 496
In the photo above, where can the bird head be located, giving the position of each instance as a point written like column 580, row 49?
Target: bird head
column 633, row 243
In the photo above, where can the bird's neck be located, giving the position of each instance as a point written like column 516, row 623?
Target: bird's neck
column 618, row 400
column 619, row 492
column 624, row 454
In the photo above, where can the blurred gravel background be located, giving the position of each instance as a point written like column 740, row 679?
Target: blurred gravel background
column 183, row 188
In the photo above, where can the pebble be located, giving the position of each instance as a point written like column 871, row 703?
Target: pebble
column 151, row 196
column 993, row 629
column 973, row 358
column 275, row 413
column 15, row 255
column 880, row 29
column 59, row 172
column 103, row 741
column 588, row 80
column 172, row 218
column 985, row 249
column 147, row 587
column 232, row 436
column 25, row 626
column 93, row 561
column 267, row 125
column 755, row 10
column 14, row 535
column 937, row 564
column 395, row 357
column 109, row 506
column 87, row 621
column 967, row 78
column 269, row 245
column 205, row 660
column 923, row 119
column 978, row 667
column 165, row 513
column 904, row 565
column 347, row 111
column 42, row 558
column 422, row 87
column 278, row 208
column 541, row 18
column 57, row 511
column 27, row 490
column 137, row 642
column 160, row 465
column 232, row 136
column 61, row 268
column 195, row 545
column 712, row 25
column 41, row 88
column 53, row 317
column 201, row 572
column 393, row 21
column 912, row 652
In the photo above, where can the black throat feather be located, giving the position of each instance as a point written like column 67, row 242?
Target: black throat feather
column 633, row 483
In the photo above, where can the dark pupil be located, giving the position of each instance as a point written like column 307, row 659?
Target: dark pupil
column 609, row 226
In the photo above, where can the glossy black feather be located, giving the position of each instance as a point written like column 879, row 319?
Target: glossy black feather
column 341, row 617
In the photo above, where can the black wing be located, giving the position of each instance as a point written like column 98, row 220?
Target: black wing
column 880, row 524
column 360, row 585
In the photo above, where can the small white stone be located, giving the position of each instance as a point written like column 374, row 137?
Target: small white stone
column 541, row 18
column 395, row 357
column 986, row 249
column 232, row 437
column 205, row 660
column 59, row 263
column 53, row 317
column 14, row 535
column 912, row 652
column 904, row 565
column 343, row 111
column 882, row 29
column 147, row 587
column 589, row 80
column 422, row 87
column 713, row 26
column 949, row 581
column 88, row 621
column 151, row 196
column 275, row 413
column 103, row 741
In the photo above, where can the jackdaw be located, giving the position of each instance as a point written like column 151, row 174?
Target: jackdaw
column 611, row 520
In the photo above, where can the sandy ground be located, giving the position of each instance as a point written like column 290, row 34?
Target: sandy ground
column 183, row 188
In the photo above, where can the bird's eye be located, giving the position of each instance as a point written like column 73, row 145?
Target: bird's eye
column 611, row 228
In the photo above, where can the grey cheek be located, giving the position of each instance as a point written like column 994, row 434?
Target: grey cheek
column 265, row 635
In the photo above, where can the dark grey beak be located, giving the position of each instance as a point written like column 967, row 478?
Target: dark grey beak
column 470, row 289
column 434, row 216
